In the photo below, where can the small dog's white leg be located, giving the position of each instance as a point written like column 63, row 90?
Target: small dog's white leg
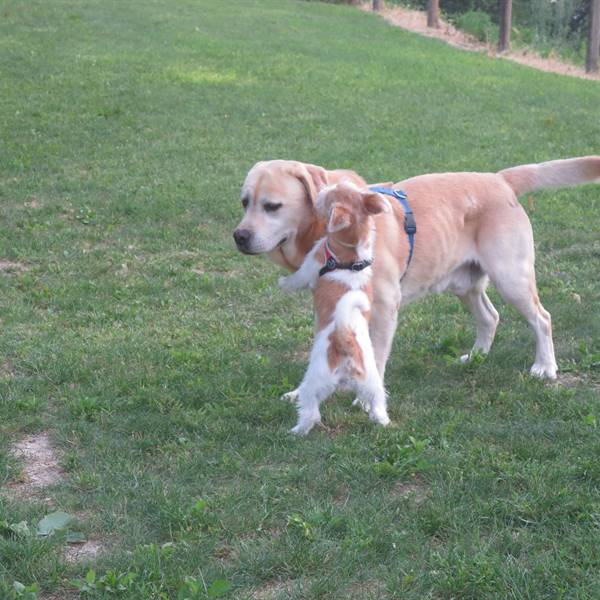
column 382, row 327
column 378, row 408
column 310, row 397
column 305, row 276
column 292, row 283
column 290, row 396
column 318, row 383
column 361, row 403
column 371, row 393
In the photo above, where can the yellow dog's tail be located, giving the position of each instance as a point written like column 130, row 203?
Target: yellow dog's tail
column 553, row 174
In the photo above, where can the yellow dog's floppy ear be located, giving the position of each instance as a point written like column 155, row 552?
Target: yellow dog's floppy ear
column 375, row 203
column 312, row 177
column 339, row 218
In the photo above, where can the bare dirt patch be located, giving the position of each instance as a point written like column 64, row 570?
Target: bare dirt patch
column 61, row 595
column 216, row 273
column 414, row 490
column 416, row 21
column 366, row 590
column 7, row 371
column 569, row 380
column 10, row 267
column 341, row 496
column 40, row 464
column 574, row 380
column 82, row 552
column 223, row 553
column 272, row 590
column 31, row 203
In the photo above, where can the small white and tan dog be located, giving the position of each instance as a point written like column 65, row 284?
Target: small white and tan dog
column 338, row 270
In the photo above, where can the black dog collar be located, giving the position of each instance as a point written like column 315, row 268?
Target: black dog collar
column 332, row 264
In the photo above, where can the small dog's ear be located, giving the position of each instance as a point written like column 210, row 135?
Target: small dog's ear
column 339, row 218
column 375, row 203
column 324, row 202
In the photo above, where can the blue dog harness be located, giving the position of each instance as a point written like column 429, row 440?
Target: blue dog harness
column 410, row 225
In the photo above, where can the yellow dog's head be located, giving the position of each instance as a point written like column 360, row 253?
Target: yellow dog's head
column 278, row 198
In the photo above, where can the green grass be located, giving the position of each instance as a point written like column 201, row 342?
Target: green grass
column 154, row 354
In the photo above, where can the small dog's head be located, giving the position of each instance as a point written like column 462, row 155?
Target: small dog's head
column 348, row 211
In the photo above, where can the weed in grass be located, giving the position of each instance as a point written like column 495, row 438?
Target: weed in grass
column 86, row 408
column 110, row 582
column 21, row 591
column 297, row 523
column 400, row 455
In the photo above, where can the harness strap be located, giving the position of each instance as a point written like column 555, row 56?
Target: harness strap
column 410, row 225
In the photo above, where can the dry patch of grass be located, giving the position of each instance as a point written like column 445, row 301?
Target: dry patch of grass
column 40, row 470
column 60, row 595
column 366, row 590
column 341, row 496
column 574, row 380
column 276, row 589
column 11, row 267
column 90, row 549
column 570, row 380
column 216, row 273
column 7, row 371
column 414, row 490
column 40, row 465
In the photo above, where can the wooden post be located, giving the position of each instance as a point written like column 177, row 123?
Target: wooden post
column 433, row 13
column 593, row 49
column 505, row 25
column 376, row 5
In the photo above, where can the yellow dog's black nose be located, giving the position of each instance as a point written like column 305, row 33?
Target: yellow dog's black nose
column 242, row 237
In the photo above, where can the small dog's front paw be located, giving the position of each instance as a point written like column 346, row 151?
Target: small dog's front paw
column 286, row 284
column 292, row 283
column 290, row 396
column 361, row 403
column 381, row 418
column 303, row 427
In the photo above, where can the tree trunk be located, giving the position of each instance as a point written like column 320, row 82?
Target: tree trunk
column 433, row 13
column 593, row 49
column 505, row 25
column 376, row 5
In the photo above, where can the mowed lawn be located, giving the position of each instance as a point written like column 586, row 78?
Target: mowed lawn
column 153, row 354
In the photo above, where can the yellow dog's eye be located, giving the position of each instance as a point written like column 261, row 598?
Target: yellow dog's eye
column 272, row 207
column 245, row 202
